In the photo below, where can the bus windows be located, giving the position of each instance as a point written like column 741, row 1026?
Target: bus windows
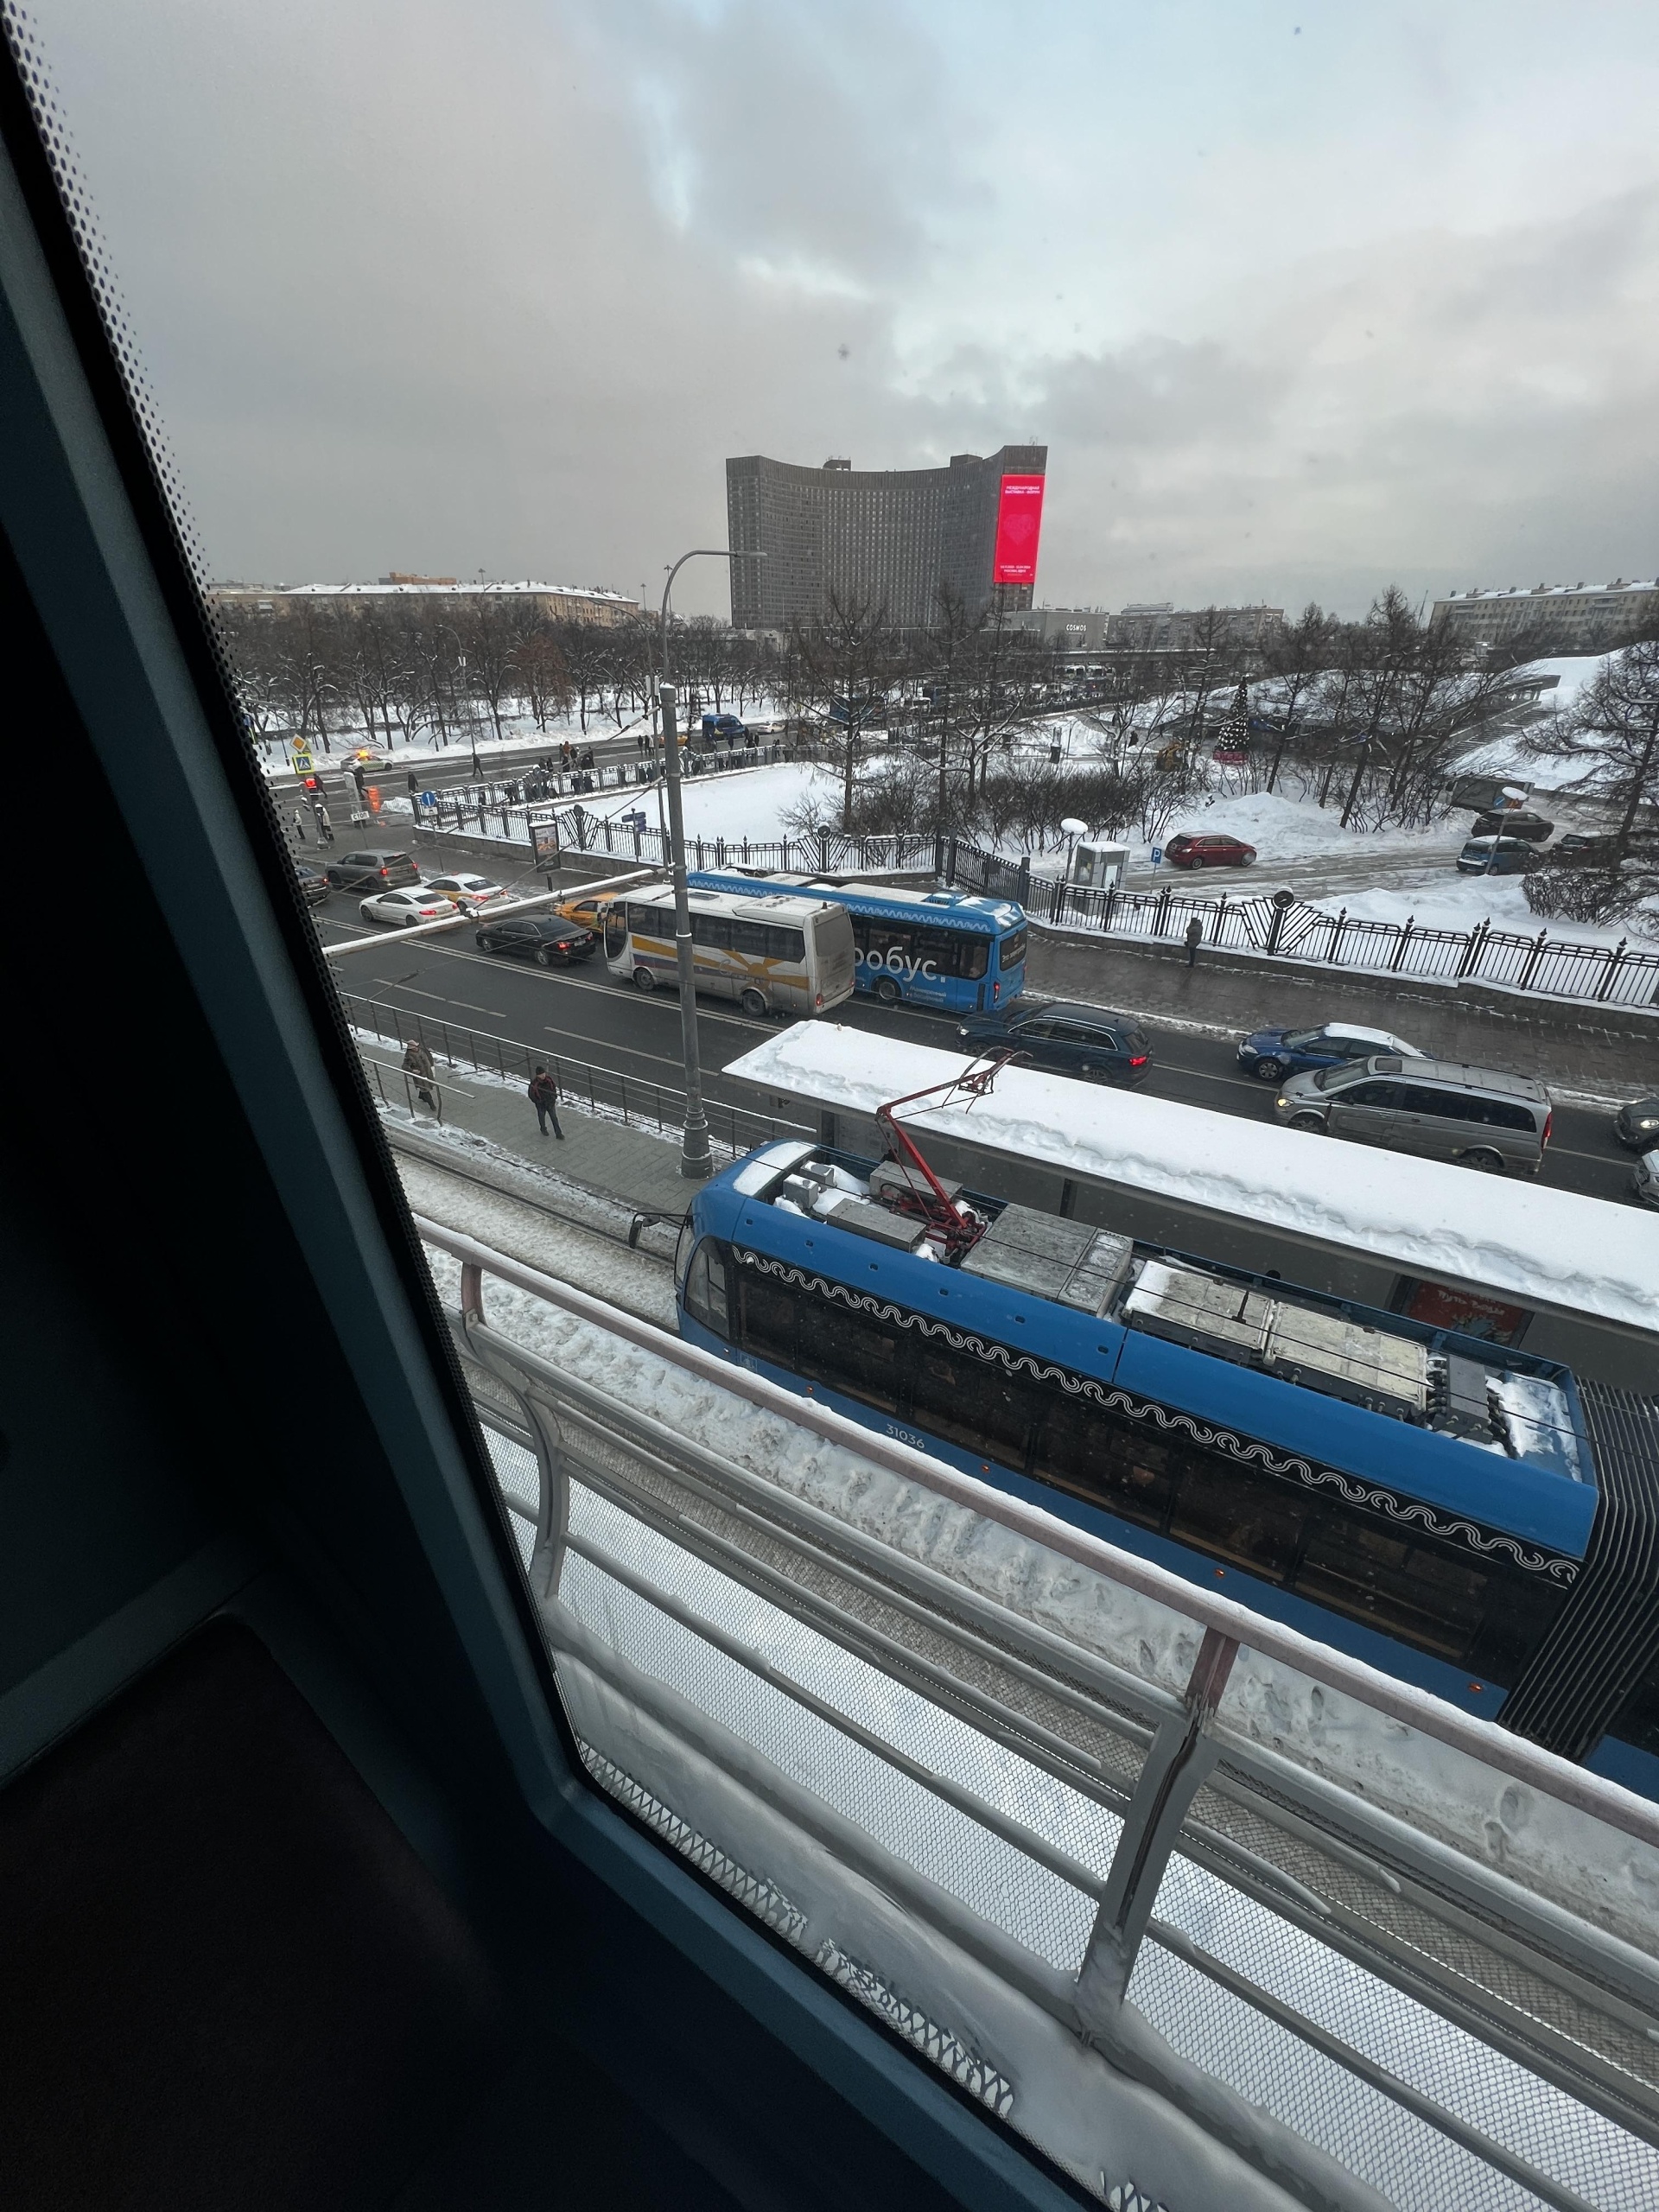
column 974, row 957
column 705, row 1288
column 851, row 1353
column 713, row 931
column 1084, row 1451
column 1010, row 951
column 750, row 939
column 616, row 931
column 1406, row 1590
column 974, row 1403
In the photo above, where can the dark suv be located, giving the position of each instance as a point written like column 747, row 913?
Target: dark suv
column 380, row 869
column 1064, row 1038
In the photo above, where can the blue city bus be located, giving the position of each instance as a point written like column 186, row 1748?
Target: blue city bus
column 949, row 948
column 1468, row 1518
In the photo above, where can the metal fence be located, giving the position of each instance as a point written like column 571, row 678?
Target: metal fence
column 1282, row 927
column 871, row 1701
column 639, row 1102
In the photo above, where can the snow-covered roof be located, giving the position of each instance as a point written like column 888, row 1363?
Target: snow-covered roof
column 430, row 591
column 1541, row 1246
column 1558, row 591
column 1383, row 1037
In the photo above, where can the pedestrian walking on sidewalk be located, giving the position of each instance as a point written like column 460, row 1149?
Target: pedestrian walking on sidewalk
column 299, row 824
column 544, row 1097
column 1194, row 939
column 325, row 826
column 417, row 1062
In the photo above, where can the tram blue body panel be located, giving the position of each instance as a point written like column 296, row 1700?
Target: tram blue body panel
column 1388, row 1654
column 1527, row 1500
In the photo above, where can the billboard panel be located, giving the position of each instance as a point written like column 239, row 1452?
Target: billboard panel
column 1019, row 525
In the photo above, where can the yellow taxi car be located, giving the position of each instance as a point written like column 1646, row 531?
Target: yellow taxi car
column 588, row 911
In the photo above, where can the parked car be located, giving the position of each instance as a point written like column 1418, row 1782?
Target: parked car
column 1498, row 856
column 377, row 869
column 1513, row 822
column 1066, row 1039
column 469, row 892
column 1578, row 846
column 313, row 885
column 1636, row 1124
column 1644, row 1180
column 403, row 909
column 1441, row 1109
column 548, row 939
column 1272, row 1054
column 1186, row 851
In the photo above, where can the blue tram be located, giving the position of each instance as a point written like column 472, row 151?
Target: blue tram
column 1470, row 1518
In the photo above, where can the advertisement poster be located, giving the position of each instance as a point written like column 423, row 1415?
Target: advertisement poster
column 1019, row 525
column 545, row 845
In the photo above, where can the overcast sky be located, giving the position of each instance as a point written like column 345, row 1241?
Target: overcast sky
column 1302, row 298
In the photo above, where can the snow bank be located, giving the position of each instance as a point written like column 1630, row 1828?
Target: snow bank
column 745, row 803
column 1551, row 1247
column 1284, row 829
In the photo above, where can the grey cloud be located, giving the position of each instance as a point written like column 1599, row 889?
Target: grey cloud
column 412, row 293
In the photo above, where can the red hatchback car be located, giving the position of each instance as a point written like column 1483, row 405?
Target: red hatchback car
column 1208, row 852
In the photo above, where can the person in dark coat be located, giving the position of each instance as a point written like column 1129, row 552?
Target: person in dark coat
column 418, row 1062
column 1194, row 939
column 544, row 1097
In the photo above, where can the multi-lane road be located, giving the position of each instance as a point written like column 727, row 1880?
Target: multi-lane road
column 583, row 1014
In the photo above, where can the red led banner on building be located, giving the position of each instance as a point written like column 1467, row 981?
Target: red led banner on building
column 1019, row 525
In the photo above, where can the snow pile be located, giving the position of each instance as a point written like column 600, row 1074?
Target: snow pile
column 1550, row 1247
column 744, row 803
column 1284, row 829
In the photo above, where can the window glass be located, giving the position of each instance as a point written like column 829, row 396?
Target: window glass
column 713, row 932
column 749, row 938
column 1447, row 1105
column 973, row 957
column 1011, row 949
column 1233, row 1514
column 1305, row 1041
column 767, row 1315
column 1095, row 1455
column 1373, row 1094
column 705, row 1287
column 974, row 1403
column 785, row 945
column 1373, row 1575
column 849, row 1351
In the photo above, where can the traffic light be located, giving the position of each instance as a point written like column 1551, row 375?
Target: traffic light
column 314, row 784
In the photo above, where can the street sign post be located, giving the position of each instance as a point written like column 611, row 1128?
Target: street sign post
column 1157, row 856
column 300, row 760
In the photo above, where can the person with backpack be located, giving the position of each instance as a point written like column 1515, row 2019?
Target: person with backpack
column 544, row 1097
column 417, row 1062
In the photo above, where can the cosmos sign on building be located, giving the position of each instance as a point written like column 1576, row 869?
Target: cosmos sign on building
column 1018, row 526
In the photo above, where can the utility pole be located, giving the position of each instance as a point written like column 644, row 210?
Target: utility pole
column 696, row 1163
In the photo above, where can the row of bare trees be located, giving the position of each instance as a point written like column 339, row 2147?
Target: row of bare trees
column 394, row 671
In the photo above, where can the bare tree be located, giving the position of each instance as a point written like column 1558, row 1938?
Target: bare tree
column 841, row 665
column 1613, row 732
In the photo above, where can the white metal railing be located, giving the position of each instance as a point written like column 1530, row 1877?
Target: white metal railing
column 1206, row 1910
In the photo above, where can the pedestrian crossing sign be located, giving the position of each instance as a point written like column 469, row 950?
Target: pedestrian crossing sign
column 301, row 759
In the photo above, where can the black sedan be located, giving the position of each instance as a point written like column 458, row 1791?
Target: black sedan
column 1064, row 1038
column 315, row 886
column 1637, row 1124
column 549, row 940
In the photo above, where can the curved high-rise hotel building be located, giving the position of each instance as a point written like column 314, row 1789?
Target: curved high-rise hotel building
column 893, row 536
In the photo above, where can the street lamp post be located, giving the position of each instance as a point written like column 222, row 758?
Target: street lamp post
column 695, row 1161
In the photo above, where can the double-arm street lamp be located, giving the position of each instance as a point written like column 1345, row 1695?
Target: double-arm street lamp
column 695, row 1161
